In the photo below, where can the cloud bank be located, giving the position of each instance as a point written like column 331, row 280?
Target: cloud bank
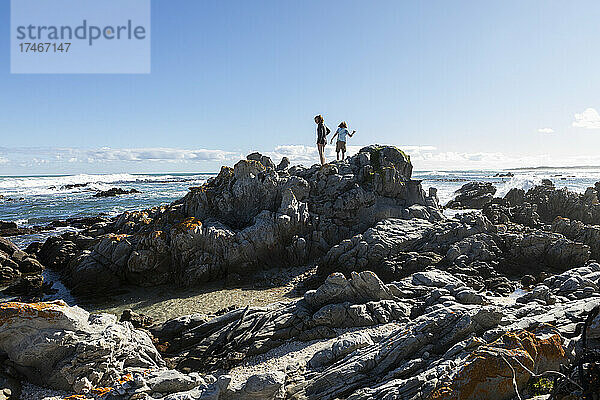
column 19, row 161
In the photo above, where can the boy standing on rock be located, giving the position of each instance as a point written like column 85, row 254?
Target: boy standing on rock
column 342, row 133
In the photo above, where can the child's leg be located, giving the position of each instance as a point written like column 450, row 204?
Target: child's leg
column 321, row 156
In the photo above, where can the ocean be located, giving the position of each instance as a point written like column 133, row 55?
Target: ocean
column 38, row 200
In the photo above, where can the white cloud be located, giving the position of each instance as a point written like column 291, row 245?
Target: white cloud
column 3, row 160
column 546, row 130
column 589, row 119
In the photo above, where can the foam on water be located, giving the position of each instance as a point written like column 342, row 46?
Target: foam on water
column 37, row 200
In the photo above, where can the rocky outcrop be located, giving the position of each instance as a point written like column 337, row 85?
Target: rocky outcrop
column 115, row 192
column 552, row 202
column 248, row 217
column 473, row 195
column 580, row 232
column 20, row 270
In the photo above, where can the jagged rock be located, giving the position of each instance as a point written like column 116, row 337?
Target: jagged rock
column 524, row 214
column 283, row 164
column 545, row 250
column 552, row 203
column 515, row 197
column 488, row 372
column 67, row 348
column 264, row 160
column 19, row 270
column 246, row 218
column 578, row 231
column 576, row 283
column 473, row 195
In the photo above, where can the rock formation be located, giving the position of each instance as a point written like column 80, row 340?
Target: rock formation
column 406, row 304
column 248, row 217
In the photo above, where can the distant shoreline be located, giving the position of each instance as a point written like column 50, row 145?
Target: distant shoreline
column 547, row 167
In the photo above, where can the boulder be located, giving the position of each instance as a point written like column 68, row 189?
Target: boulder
column 492, row 371
column 67, row 348
column 473, row 195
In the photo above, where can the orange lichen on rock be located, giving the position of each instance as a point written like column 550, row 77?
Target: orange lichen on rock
column 189, row 224
column 101, row 391
column 125, row 378
column 487, row 373
column 118, row 238
column 47, row 310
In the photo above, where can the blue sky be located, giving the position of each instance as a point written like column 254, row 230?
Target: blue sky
column 460, row 84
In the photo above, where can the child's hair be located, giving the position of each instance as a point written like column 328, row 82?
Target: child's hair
column 319, row 118
column 343, row 124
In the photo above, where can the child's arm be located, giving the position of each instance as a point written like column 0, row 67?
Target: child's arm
column 333, row 137
column 351, row 134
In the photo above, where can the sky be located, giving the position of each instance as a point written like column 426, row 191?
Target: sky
column 457, row 84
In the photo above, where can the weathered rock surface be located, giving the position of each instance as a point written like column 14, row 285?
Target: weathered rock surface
column 445, row 341
column 67, row 348
column 428, row 335
column 248, row 217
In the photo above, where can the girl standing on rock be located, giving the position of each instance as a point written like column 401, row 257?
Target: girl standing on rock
column 322, row 132
column 341, row 133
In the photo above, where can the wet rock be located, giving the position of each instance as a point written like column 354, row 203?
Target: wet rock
column 515, row 197
column 115, row 192
column 14, row 264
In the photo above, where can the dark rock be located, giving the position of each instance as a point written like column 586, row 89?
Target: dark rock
column 515, row 197
column 527, row 280
column 547, row 182
column 264, row 160
column 473, row 195
column 115, row 192
column 137, row 320
column 7, row 225
column 246, row 218
column 284, row 164
column 56, row 253
column 33, row 248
